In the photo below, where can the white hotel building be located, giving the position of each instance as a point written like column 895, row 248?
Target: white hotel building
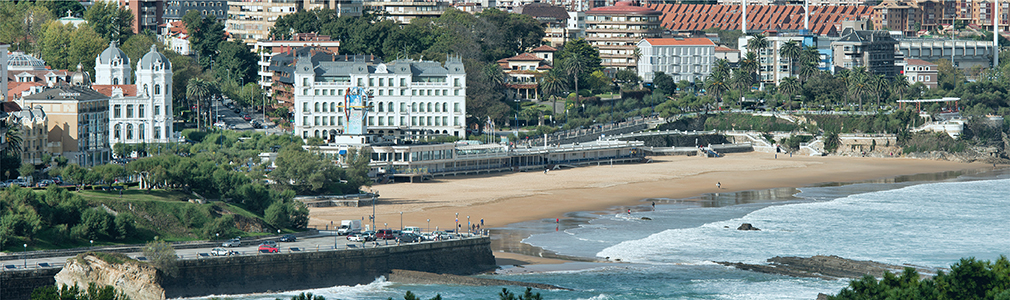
column 688, row 59
column 409, row 99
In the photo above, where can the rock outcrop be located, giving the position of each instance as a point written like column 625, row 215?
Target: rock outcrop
column 418, row 277
column 747, row 226
column 136, row 280
column 824, row 267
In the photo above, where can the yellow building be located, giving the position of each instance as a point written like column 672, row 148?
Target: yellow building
column 78, row 123
column 34, row 135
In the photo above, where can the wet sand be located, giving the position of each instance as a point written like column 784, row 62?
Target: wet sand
column 505, row 198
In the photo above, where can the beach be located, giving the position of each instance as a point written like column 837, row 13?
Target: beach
column 504, row 198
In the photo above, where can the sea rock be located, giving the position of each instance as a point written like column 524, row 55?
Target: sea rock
column 747, row 226
column 647, row 218
column 138, row 281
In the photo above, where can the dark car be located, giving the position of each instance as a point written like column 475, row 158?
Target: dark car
column 408, row 238
column 288, row 238
column 385, row 234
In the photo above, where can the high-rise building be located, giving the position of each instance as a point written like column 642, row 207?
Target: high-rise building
column 688, row 59
column 251, row 20
column 147, row 14
column 404, row 11
column 176, row 9
column 616, row 30
column 266, row 49
column 871, row 49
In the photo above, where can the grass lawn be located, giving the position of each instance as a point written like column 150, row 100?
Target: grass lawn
column 135, row 195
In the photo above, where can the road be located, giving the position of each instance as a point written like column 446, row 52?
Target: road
column 234, row 121
column 320, row 242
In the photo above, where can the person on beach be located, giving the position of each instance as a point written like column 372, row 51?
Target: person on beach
column 718, row 185
column 653, row 206
column 629, row 211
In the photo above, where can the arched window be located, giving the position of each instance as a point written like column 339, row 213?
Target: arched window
column 429, row 106
column 445, row 106
column 333, row 106
column 390, row 106
column 129, row 131
column 324, row 105
column 116, row 132
column 157, row 89
column 115, row 81
column 317, row 133
column 381, row 107
column 317, row 106
column 140, row 133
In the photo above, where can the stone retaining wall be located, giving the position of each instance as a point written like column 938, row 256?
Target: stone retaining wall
column 19, row 284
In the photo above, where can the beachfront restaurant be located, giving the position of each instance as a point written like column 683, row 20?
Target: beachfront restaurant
column 412, row 161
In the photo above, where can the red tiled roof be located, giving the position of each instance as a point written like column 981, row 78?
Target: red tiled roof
column 544, row 48
column 10, row 106
column 823, row 19
column 106, row 89
column 724, row 49
column 14, row 89
column 918, row 62
column 521, row 57
column 680, row 42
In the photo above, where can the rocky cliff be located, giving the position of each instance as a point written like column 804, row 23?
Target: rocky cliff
column 137, row 280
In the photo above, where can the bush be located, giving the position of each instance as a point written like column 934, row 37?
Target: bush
column 162, row 256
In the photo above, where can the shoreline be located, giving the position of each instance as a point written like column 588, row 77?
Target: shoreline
column 507, row 198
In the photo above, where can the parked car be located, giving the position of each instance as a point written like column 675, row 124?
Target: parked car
column 45, row 183
column 412, row 229
column 408, row 238
column 235, row 242
column 385, row 234
column 357, row 237
column 269, row 248
column 220, row 252
column 288, row 238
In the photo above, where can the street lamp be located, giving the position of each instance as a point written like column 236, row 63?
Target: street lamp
column 457, row 223
column 468, row 225
column 401, row 220
column 26, row 256
column 429, row 226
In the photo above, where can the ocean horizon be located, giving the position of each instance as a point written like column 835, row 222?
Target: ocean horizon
column 929, row 221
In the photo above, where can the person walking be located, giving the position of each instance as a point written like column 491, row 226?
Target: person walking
column 718, row 185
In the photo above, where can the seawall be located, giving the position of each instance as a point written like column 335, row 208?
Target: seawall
column 292, row 271
column 296, row 271
column 19, row 284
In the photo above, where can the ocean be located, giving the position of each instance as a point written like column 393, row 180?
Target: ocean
column 669, row 253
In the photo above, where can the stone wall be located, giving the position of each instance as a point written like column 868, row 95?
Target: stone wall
column 296, row 271
column 19, row 284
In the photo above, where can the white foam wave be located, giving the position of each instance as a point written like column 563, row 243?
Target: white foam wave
column 380, row 285
column 930, row 224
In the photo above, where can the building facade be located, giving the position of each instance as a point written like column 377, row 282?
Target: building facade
column 34, row 137
column 139, row 112
column 147, row 14
column 873, row 50
column 774, row 66
column 917, row 70
column 404, row 11
column 688, row 59
column 616, row 30
column 407, row 99
column 524, row 72
column 966, row 53
column 176, row 9
column 251, row 20
column 78, row 123
column 266, row 49
column 554, row 19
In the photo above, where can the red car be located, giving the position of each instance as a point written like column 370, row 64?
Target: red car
column 269, row 248
column 385, row 234
column 247, row 118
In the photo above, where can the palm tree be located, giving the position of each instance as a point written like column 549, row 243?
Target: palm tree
column 716, row 85
column 858, row 84
column 791, row 50
column 197, row 89
column 574, row 65
column 879, row 85
column 749, row 62
column 721, row 68
column 553, row 84
column 900, row 85
column 809, row 60
column 757, row 44
column 789, row 86
column 742, row 80
column 13, row 136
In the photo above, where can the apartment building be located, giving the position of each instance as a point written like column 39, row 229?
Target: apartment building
column 147, row 14
column 894, row 15
column 251, row 20
column 871, row 49
column 34, row 137
column 688, row 59
column 773, row 65
column 266, row 49
column 616, row 30
column 176, row 9
column 78, row 123
column 404, row 11
column 406, row 99
column 554, row 18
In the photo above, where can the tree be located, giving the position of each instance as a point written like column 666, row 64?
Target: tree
column 574, row 65
column 161, row 255
column 110, row 21
column 552, row 85
column 235, row 62
column 22, row 24
column 790, row 86
column 900, row 85
column 742, row 80
column 197, row 90
column 629, row 78
column 664, row 83
column 859, row 84
column 721, row 68
column 308, row 173
column 717, row 85
column 278, row 215
column 205, row 33
column 791, row 50
column 757, row 44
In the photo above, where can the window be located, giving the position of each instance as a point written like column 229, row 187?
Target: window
column 129, row 111
column 157, row 110
column 455, row 107
column 315, row 121
column 115, row 81
column 317, row 107
column 403, row 82
column 371, row 121
column 115, row 132
column 360, row 81
column 445, row 107
column 455, row 82
column 403, row 106
column 305, row 121
column 116, row 112
column 305, row 106
column 157, row 132
column 382, row 82
column 129, row 131
column 390, row 118
column 371, row 82
column 317, row 92
column 305, row 81
column 140, row 112
column 332, row 120
column 140, row 133
column 333, row 106
column 380, row 106
column 157, row 89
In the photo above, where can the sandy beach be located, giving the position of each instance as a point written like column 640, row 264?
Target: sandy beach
column 505, row 198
